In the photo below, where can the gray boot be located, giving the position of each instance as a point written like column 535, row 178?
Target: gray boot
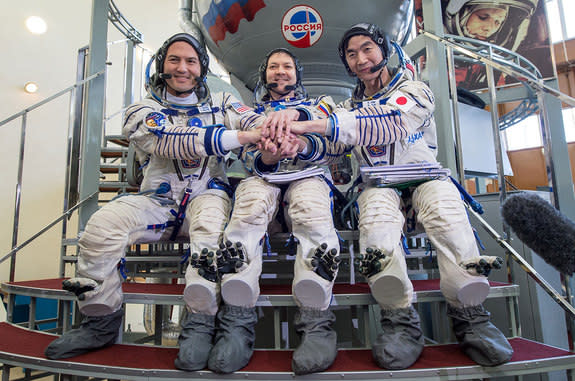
column 195, row 341
column 235, row 337
column 94, row 332
column 318, row 347
column 478, row 337
column 401, row 342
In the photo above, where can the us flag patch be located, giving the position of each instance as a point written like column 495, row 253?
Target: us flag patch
column 240, row 108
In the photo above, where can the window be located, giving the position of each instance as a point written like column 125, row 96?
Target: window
column 558, row 31
column 569, row 123
column 527, row 133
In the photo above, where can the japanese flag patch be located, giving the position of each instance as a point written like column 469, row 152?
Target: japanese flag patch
column 401, row 101
column 240, row 108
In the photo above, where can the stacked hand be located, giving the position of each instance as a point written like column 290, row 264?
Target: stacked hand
column 277, row 142
column 283, row 123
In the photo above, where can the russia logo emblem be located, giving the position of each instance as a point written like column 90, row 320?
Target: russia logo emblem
column 302, row 26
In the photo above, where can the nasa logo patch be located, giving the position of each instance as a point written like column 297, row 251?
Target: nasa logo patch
column 155, row 119
column 302, row 26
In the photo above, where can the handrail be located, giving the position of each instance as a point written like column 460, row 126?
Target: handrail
column 531, row 78
column 523, row 263
column 123, row 25
column 23, row 114
column 529, row 105
column 500, row 64
column 49, row 99
column 46, row 228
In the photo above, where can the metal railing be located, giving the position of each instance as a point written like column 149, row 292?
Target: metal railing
column 512, row 64
column 76, row 105
column 24, row 115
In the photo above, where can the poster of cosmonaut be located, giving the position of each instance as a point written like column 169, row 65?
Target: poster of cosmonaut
column 516, row 25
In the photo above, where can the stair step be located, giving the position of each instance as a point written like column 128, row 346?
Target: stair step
column 271, row 294
column 120, row 140
column 112, row 152
column 116, row 186
column 25, row 348
column 112, row 168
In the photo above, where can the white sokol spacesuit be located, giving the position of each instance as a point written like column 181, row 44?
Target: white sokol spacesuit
column 396, row 126
column 180, row 142
column 307, row 205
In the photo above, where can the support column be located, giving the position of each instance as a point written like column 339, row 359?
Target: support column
column 94, row 111
column 436, row 69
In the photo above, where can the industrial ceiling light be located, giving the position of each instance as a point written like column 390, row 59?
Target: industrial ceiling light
column 31, row 87
column 36, row 25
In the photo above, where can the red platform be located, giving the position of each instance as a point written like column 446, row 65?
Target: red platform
column 55, row 284
column 19, row 346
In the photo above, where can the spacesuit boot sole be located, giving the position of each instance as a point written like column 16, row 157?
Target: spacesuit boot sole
column 238, row 291
column 310, row 293
column 195, row 293
column 473, row 293
column 386, row 287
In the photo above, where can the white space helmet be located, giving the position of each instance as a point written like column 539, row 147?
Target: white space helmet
column 512, row 31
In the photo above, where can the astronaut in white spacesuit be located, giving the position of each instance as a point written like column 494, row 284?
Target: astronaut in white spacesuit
column 390, row 121
column 281, row 96
column 181, row 133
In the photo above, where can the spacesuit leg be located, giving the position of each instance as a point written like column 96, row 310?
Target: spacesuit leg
column 255, row 205
column 380, row 226
column 441, row 212
column 207, row 215
column 118, row 224
column 102, row 245
column 315, row 270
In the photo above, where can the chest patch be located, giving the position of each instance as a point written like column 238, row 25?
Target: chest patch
column 190, row 164
column 195, row 122
column 377, row 151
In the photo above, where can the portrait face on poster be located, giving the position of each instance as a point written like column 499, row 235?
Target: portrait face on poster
column 516, row 25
